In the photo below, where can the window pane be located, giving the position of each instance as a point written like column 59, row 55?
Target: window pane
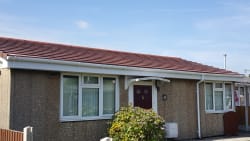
column 209, row 96
column 108, row 95
column 218, row 95
column 242, row 97
column 90, row 102
column 91, row 80
column 70, row 95
column 229, row 96
column 218, row 85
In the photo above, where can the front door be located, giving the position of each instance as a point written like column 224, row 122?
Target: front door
column 143, row 96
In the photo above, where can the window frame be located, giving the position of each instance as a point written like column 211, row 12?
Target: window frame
column 223, row 89
column 244, row 98
column 81, row 85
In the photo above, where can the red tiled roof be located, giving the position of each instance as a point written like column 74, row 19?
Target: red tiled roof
column 43, row 50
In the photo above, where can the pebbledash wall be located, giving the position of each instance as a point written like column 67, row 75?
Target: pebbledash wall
column 181, row 107
column 35, row 97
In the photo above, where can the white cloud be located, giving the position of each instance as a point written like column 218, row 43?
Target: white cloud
column 82, row 24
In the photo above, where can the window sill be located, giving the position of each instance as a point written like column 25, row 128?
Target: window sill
column 218, row 112
column 68, row 119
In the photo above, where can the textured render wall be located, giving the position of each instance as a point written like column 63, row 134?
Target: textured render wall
column 180, row 106
column 211, row 124
column 35, row 102
column 5, row 98
column 123, row 92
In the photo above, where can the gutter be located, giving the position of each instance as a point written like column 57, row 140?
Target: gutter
column 198, row 104
column 69, row 66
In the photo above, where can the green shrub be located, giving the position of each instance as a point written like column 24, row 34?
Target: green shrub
column 136, row 124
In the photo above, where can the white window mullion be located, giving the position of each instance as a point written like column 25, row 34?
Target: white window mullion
column 214, row 96
column 224, row 96
column 117, row 94
column 233, row 102
column 245, row 96
column 80, row 96
column 61, row 98
column 205, row 91
column 101, row 97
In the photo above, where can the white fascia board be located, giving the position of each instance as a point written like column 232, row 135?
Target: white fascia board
column 217, row 77
column 3, row 63
column 68, row 66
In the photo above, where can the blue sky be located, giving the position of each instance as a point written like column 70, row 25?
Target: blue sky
column 196, row 30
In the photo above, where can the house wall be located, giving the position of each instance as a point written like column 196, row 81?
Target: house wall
column 123, row 92
column 180, row 106
column 35, row 100
column 240, row 110
column 241, row 113
column 5, row 98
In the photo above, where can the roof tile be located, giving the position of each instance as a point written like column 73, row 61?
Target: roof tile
column 43, row 50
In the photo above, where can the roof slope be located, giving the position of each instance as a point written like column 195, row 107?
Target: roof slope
column 43, row 50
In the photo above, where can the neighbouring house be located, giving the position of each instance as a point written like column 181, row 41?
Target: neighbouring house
column 70, row 92
column 242, row 103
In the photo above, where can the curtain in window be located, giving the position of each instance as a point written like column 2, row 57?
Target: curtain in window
column 209, row 96
column 108, row 95
column 218, row 95
column 70, row 95
column 90, row 102
column 228, row 91
column 242, row 97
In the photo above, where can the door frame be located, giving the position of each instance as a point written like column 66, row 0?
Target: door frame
column 148, row 83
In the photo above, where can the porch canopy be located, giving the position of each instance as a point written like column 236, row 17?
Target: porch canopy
column 129, row 81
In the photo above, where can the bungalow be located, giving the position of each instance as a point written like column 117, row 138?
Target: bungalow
column 70, row 92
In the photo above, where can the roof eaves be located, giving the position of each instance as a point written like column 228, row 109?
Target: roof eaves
column 58, row 65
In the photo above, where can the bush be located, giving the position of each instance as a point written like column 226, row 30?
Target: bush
column 136, row 124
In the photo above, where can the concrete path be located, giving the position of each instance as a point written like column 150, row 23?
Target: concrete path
column 240, row 137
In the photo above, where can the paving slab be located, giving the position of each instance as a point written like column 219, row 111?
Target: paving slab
column 240, row 137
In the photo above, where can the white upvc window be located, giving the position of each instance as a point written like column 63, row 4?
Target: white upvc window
column 218, row 97
column 242, row 96
column 88, row 97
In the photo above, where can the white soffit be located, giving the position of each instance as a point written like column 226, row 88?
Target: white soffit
column 68, row 66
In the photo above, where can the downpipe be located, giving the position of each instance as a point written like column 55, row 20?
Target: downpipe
column 198, row 105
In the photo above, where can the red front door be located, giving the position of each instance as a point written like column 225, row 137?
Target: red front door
column 143, row 96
